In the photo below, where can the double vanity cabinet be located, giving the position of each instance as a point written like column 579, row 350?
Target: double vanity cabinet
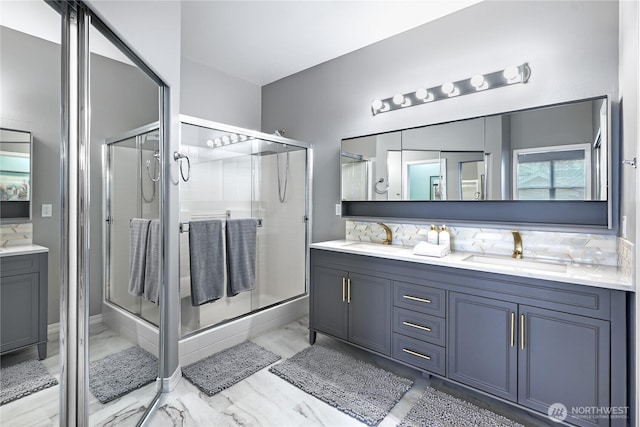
column 23, row 299
column 526, row 341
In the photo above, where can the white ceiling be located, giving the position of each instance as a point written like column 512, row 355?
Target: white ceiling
column 261, row 41
column 264, row 41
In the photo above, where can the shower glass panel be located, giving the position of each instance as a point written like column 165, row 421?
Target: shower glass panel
column 236, row 175
column 132, row 192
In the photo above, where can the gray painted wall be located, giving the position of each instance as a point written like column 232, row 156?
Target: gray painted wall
column 332, row 101
column 122, row 99
column 213, row 95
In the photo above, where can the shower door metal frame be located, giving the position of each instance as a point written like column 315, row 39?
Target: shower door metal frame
column 195, row 121
column 106, row 208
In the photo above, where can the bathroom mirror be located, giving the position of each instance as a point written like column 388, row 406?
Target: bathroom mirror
column 15, row 175
column 548, row 165
column 558, row 152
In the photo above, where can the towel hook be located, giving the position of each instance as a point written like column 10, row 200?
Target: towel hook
column 178, row 157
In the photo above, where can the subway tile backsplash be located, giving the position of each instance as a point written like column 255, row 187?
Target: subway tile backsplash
column 566, row 247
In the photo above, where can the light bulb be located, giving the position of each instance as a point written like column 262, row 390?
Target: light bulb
column 448, row 88
column 210, row 143
column 478, row 82
column 226, row 139
column 217, row 142
column 234, row 137
column 398, row 99
column 512, row 74
column 422, row 94
column 243, row 137
column 377, row 105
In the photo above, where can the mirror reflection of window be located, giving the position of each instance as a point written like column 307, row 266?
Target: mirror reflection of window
column 553, row 173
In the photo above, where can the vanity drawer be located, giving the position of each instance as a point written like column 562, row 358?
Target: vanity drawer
column 420, row 354
column 420, row 326
column 419, row 298
column 18, row 264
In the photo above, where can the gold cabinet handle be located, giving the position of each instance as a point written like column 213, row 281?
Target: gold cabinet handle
column 513, row 329
column 344, row 283
column 427, row 301
column 415, row 353
column 413, row 325
column 349, row 291
column 522, row 331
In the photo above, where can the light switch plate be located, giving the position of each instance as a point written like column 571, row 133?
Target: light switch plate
column 47, row 210
column 338, row 209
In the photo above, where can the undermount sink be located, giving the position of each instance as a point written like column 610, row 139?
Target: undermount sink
column 518, row 263
column 376, row 247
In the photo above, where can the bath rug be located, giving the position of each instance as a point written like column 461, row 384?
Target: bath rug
column 224, row 369
column 359, row 389
column 438, row 409
column 23, row 379
column 121, row 373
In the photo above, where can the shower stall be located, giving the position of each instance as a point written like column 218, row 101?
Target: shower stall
column 223, row 173
column 234, row 173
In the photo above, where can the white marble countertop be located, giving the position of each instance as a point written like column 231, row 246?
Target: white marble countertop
column 22, row 250
column 581, row 274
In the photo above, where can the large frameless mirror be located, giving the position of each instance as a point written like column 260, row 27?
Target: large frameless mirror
column 559, row 152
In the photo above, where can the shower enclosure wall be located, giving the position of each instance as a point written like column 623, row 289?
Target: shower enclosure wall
column 238, row 174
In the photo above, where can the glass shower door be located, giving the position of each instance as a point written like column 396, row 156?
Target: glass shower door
column 133, row 172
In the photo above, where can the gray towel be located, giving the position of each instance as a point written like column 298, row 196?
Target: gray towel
column 241, row 255
column 206, row 261
column 151, row 289
column 138, row 233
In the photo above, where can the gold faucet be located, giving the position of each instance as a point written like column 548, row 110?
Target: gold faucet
column 387, row 241
column 517, row 244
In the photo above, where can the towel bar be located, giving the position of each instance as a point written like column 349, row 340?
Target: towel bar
column 184, row 226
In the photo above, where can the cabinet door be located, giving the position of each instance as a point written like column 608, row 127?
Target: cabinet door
column 330, row 308
column 370, row 312
column 482, row 348
column 565, row 360
column 19, row 299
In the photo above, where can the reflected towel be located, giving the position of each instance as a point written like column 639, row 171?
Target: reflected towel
column 151, row 289
column 241, row 255
column 206, row 261
column 138, row 233
column 429, row 249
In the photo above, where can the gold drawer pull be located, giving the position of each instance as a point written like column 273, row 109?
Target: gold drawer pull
column 344, row 284
column 416, row 354
column 413, row 325
column 428, row 301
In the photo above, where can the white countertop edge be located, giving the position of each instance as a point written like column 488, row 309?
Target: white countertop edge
column 22, row 250
column 580, row 274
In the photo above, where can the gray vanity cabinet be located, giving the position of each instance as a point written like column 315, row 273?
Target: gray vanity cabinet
column 353, row 307
column 563, row 358
column 482, row 350
column 23, row 300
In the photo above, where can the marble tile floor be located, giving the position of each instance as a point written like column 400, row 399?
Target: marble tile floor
column 265, row 400
column 43, row 408
column 262, row 400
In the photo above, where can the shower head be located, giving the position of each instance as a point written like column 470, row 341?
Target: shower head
column 280, row 132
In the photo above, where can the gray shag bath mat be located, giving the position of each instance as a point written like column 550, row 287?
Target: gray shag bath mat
column 224, row 369
column 352, row 386
column 23, row 379
column 438, row 409
column 121, row 373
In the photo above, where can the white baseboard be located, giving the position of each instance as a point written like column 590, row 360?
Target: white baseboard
column 166, row 385
column 54, row 328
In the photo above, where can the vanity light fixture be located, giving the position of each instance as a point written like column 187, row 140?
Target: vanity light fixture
column 506, row 77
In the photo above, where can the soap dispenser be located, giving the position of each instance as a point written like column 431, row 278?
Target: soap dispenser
column 445, row 238
column 432, row 235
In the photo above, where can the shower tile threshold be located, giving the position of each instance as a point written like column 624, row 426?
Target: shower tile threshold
column 250, row 402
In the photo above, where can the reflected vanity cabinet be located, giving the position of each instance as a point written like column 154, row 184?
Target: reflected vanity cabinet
column 528, row 342
column 23, row 300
